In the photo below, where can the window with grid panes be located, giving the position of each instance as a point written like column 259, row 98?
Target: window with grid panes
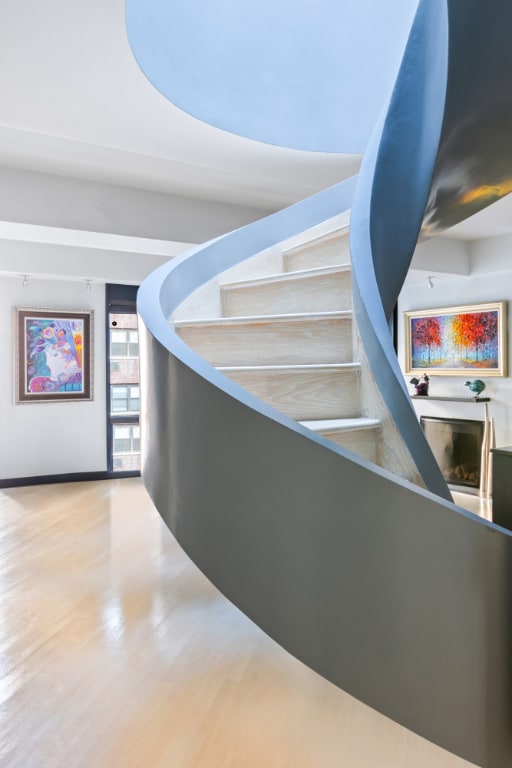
column 123, row 380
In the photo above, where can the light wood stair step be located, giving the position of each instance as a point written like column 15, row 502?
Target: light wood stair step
column 312, row 290
column 304, row 391
column 322, row 337
column 358, row 435
column 331, row 249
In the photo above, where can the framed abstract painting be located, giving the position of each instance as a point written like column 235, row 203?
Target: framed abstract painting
column 53, row 355
column 457, row 340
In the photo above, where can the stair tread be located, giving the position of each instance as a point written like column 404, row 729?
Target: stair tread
column 245, row 319
column 341, row 231
column 292, row 367
column 321, row 425
column 278, row 277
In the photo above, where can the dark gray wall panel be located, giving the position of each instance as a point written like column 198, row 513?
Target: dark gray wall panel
column 399, row 598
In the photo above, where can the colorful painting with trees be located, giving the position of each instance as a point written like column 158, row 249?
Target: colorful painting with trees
column 457, row 340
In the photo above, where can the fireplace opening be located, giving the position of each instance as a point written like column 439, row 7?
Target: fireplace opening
column 457, row 447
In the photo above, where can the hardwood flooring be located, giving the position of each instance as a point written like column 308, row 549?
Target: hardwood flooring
column 116, row 652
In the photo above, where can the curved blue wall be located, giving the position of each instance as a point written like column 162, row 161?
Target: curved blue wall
column 304, row 75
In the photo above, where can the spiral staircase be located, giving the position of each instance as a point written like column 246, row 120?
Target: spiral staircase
column 287, row 338
column 280, row 444
column 281, row 326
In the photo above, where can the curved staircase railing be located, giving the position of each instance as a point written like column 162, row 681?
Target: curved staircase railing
column 391, row 196
column 390, row 591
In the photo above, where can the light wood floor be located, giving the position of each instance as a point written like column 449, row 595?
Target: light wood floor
column 115, row 652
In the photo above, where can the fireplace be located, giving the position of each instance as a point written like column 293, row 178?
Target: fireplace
column 457, row 447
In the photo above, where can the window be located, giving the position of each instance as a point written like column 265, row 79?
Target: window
column 124, row 343
column 124, row 399
column 126, row 447
column 123, row 391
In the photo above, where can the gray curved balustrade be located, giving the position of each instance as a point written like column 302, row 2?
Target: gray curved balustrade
column 387, row 213
column 389, row 591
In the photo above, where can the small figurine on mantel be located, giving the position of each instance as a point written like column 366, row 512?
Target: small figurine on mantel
column 420, row 385
column 476, row 386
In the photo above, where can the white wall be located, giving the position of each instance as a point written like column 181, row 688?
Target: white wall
column 439, row 254
column 60, row 232
column 55, row 262
column 448, row 291
column 56, row 201
column 51, row 438
column 491, row 254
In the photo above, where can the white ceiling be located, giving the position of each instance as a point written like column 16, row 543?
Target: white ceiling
column 74, row 102
column 75, row 105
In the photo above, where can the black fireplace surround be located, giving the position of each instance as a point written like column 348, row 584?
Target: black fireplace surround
column 457, row 447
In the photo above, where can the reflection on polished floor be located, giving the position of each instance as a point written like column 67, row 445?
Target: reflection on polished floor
column 116, row 652
column 479, row 505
